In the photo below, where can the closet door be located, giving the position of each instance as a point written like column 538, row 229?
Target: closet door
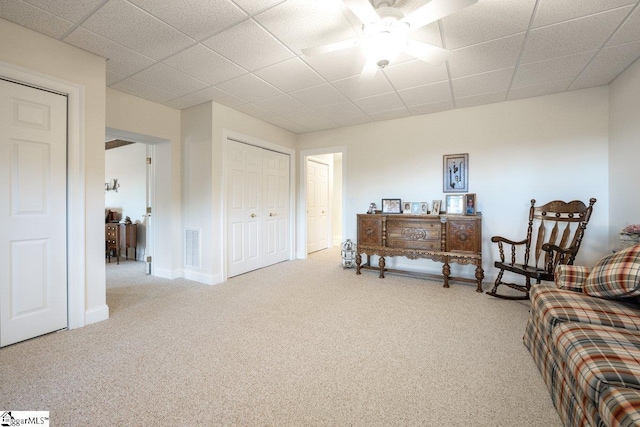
column 275, row 197
column 244, row 208
column 317, row 206
column 257, row 208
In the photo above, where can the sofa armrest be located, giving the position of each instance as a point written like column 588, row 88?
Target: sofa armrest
column 571, row 277
column 620, row 407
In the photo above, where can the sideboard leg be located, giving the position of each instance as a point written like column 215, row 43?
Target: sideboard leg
column 358, row 262
column 381, row 264
column 479, row 277
column 446, row 270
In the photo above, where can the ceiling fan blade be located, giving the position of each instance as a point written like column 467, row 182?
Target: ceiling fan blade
column 434, row 10
column 363, row 10
column 369, row 71
column 332, row 47
column 433, row 55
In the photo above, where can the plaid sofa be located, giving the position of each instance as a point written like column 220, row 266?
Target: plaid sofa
column 584, row 336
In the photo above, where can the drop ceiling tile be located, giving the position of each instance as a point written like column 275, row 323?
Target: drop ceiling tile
column 415, row 73
column 486, row 98
column 121, row 59
column 323, row 22
column 196, row 18
column 338, row 65
column 290, row 75
column 391, row 114
column 311, row 120
column 353, row 88
column 204, row 64
column 130, row 26
column 429, row 34
column 486, row 20
column 427, row 94
column 488, row 56
column 592, row 80
column 143, row 90
column 493, row 81
column 433, row 107
column 566, row 38
column 253, row 6
column 566, row 67
column 36, row 19
column 539, row 90
column 281, row 104
column 380, row 103
column 353, row 121
column 287, row 124
column 249, row 88
column 342, row 110
column 249, row 45
column 613, row 60
column 71, row 10
column 113, row 77
column 255, row 111
column 206, row 95
column 554, row 11
column 170, row 80
column 319, row 96
column 630, row 30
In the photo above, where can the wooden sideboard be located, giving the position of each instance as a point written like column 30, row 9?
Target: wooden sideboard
column 115, row 235
column 443, row 238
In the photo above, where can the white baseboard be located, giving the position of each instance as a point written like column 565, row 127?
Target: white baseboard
column 167, row 274
column 207, row 279
column 95, row 315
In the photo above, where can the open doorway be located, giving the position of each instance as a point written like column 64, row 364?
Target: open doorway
column 322, row 186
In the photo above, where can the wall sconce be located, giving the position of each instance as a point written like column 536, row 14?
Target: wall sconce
column 112, row 185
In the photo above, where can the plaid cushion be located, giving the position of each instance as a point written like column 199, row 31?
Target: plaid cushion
column 620, row 407
column 616, row 276
column 551, row 306
column 598, row 356
column 571, row 277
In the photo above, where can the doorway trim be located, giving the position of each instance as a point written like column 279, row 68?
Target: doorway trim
column 76, row 219
column 301, row 252
column 257, row 142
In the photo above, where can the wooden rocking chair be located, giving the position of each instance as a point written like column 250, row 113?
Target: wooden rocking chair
column 547, row 219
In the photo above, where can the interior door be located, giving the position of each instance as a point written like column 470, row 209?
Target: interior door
column 275, row 196
column 317, row 206
column 244, row 212
column 33, row 234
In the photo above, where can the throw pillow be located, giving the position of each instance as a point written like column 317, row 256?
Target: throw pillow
column 616, row 276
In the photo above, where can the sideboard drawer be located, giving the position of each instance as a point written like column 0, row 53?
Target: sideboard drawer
column 414, row 233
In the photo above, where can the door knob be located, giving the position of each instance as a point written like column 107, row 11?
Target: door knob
column 253, row 215
column 323, row 212
column 272, row 214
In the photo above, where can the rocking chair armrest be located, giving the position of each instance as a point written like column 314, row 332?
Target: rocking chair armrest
column 550, row 249
column 500, row 239
column 571, row 277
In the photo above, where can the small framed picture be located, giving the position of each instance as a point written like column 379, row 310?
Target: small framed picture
column 415, row 208
column 391, row 206
column 470, row 204
column 455, row 204
column 435, row 207
column 406, row 208
column 424, row 208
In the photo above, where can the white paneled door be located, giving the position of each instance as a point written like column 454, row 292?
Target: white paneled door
column 33, row 233
column 317, row 206
column 257, row 208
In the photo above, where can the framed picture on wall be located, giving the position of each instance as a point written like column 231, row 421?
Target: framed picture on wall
column 455, row 170
column 391, row 206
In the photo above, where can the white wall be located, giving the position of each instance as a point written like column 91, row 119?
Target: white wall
column 624, row 151
column 128, row 164
column 63, row 63
column 203, row 161
column 138, row 116
column 551, row 147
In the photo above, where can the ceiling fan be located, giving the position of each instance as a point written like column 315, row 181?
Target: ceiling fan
column 385, row 32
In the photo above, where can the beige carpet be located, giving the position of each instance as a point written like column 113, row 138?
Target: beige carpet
column 301, row 343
